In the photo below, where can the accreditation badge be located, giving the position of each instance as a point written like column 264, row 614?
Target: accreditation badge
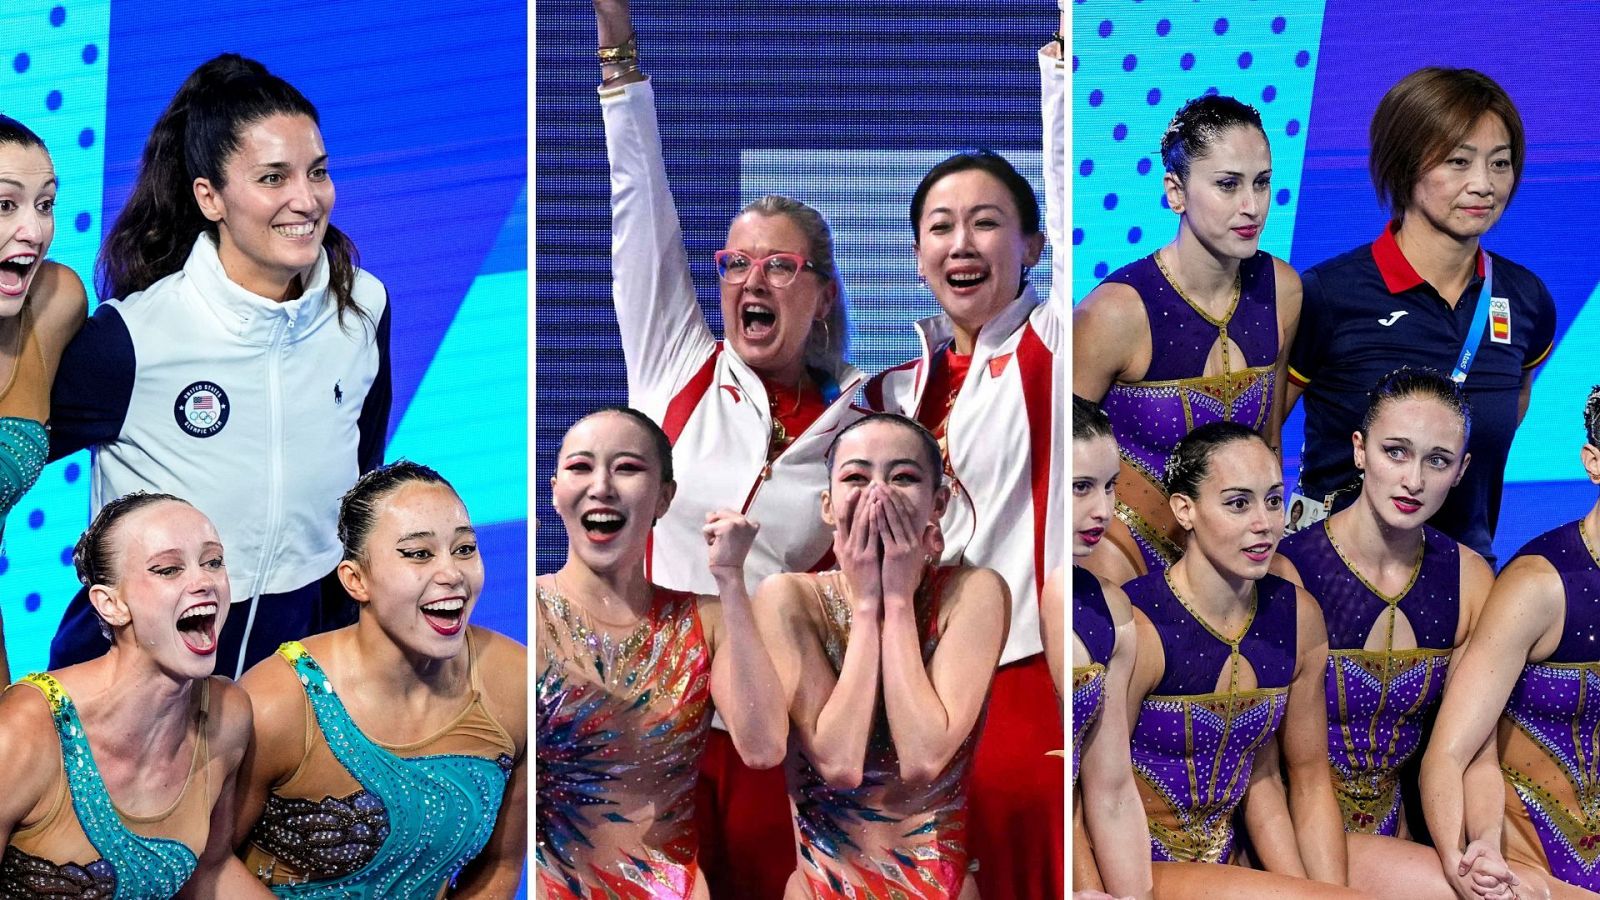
column 1500, row 320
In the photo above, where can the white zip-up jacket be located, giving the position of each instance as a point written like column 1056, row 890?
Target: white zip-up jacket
column 1006, row 434
column 712, row 405
column 261, row 414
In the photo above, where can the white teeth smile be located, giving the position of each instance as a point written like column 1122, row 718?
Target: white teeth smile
column 301, row 230
column 455, row 604
column 195, row 612
column 27, row 260
column 603, row 518
column 966, row 279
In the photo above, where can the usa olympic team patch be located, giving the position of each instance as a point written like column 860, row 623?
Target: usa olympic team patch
column 202, row 409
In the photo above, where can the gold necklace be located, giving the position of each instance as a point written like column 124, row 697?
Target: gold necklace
column 780, row 439
column 1221, row 324
column 1584, row 533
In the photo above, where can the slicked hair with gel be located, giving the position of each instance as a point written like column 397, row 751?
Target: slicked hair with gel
column 1089, row 421
column 1422, row 119
column 1591, row 417
column 930, row 444
column 1191, row 462
column 826, row 348
column 358, row 508
column 659, row 442
column 1407, row 382
column 1200, row 123
column 94, row 555
column 194, row 137
column 16, row 134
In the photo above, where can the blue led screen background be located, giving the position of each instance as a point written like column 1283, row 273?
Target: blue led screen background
column 424, row 114
column 842, row 104
column 1316, row 71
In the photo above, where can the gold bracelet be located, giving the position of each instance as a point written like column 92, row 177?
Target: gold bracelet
column 627, row 51
column 630, row 69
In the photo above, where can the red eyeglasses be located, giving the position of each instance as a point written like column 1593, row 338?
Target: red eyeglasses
column 780, row 269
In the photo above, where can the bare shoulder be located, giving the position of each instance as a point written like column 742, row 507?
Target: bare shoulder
column 1053, row 598
column 28, row 741
column 1476, row 572
column 277, row 699
column 786, row 592
column 1530, row 581
column 1110, row 308
column 1284, row 568
column 60, row 303
column 971, row 590
column 1122, row 611
column 504, row 664
column 1286, row 278
column 968, row 582
column 230, row 716
column 1308, row 613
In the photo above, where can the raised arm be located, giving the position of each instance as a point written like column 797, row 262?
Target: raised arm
column 932, row 707
column 744, row 683
column 664, row 334
column 1112, row 810
column 1522, row 620
column 831, row 714
column 1053, row 93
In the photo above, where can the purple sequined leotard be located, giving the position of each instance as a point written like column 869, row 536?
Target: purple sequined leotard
column 1378, row 699
column 1151, row 416
column 1194, row 745
column 1550, row 746
column 1567, row 548
column 1091, row 622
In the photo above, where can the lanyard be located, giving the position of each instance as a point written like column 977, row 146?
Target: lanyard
column 1469, row 349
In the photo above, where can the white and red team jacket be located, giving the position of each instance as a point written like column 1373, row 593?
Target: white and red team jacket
column 712, row 405
column 1006, row 434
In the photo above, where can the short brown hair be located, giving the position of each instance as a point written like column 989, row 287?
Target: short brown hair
column 1427, row 115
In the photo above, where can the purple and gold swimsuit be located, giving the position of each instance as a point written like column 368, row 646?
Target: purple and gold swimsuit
column 1379, row 699
column 1091, row 622
column 1151, row 416
column 1550, row 746
column 1567, row 547
column 1194, row 745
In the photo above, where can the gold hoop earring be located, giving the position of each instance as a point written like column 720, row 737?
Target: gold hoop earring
column 827, row 335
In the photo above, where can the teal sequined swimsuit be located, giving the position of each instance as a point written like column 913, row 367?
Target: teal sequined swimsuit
column 130, row 865
column 412, row 825
column 24, row 406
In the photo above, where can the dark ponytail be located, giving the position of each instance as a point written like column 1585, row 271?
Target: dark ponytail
column 194, row 138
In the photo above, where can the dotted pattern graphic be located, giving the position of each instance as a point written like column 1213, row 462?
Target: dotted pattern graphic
column 53, row 65
column 1133, row 65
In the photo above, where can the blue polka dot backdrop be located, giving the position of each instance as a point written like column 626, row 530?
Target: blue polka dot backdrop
column 1135, row 64
column 60, row 93
column 91, row 83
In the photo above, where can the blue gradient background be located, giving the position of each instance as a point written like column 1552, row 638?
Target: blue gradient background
column 424, row 114
column 1316, row 72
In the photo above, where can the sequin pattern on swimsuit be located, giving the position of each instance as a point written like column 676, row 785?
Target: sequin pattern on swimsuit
column 621, row 725
column 885, row 838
